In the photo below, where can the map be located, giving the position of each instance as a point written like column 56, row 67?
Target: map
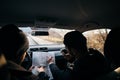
column 40, row 59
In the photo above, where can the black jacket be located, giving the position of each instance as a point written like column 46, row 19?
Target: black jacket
column 88, row 67
column 60, row 74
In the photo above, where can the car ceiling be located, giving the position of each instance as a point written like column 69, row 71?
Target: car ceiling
column 77, row 14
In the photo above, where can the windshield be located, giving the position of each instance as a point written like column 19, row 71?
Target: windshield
column 44, row 36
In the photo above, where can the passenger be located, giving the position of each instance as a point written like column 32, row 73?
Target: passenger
column 112, row 54
column 13, row 45
column 63, row 74
column 87, row 65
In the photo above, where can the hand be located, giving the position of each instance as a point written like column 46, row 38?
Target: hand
column 50, row 60
column 41, row 69
column 35, row 70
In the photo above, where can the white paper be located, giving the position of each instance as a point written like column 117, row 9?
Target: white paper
column 40, row 59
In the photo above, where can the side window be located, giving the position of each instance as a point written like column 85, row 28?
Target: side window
column 96, row 38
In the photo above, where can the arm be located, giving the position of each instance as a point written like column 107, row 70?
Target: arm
column 60, row 74
column 39, row 72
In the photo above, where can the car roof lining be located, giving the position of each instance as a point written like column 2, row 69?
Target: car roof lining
column 61, row 13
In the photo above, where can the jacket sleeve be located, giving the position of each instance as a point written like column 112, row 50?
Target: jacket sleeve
column 60, row 74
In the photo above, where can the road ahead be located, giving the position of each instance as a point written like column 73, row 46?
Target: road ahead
column 34, row 40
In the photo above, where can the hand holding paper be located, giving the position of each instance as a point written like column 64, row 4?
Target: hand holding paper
column 50, row 60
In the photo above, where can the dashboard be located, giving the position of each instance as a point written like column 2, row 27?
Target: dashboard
column 54, row 48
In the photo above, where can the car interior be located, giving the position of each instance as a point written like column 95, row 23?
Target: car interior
column 82, row 15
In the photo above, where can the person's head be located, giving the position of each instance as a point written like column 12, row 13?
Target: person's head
column 13, row 43
column 67, row 56
column 112, row 47
column 75, row 43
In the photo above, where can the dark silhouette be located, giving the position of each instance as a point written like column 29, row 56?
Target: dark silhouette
column 14, row 44
column 112, row 54
column 111, row 48
column 88, row 64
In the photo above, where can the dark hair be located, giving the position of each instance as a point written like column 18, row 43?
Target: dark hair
column 13, row 42
column 112, row 46
column 76, row 40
